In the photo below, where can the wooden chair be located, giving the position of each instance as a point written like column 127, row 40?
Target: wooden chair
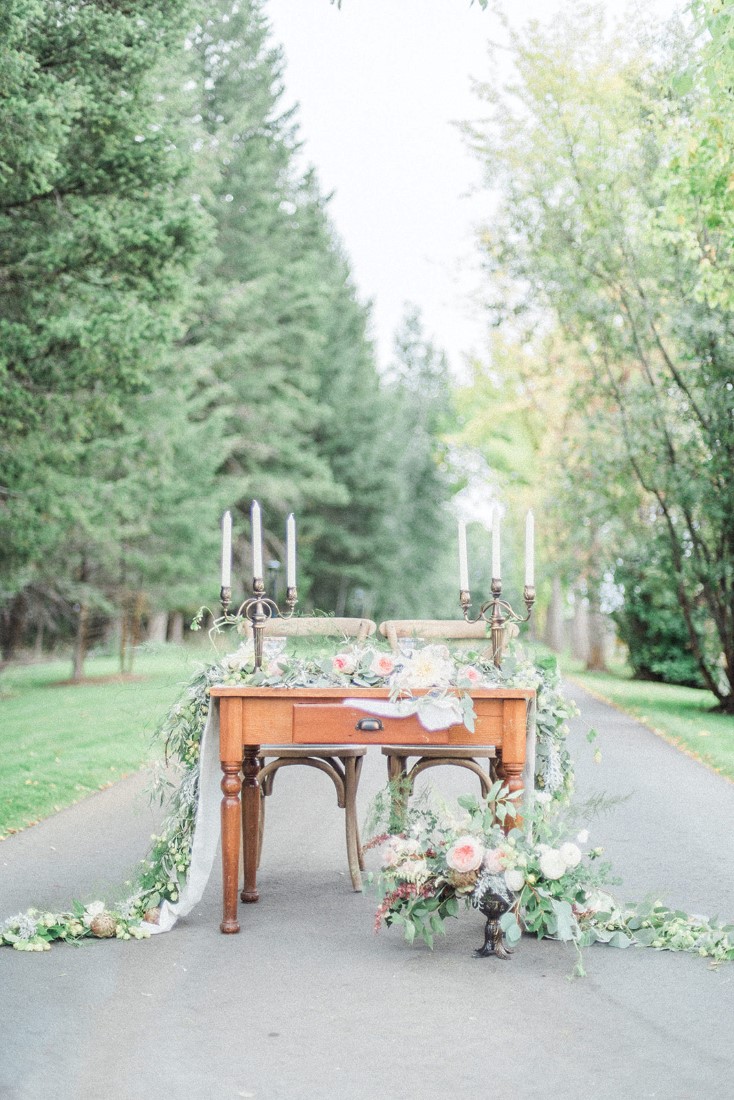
column 462, row 756
column 342, row 763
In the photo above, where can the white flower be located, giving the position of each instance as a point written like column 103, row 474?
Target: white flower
column 429, row 667
column 583, row 836
column 571, row 854
column 398, row 850
column 515, row 880
column 543, row 797
column 414, row 870
column 93, row 910
column 240, row 659
column 552, row 864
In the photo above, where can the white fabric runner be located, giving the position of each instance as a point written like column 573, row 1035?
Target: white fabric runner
column 206, row 830
column 434, row 714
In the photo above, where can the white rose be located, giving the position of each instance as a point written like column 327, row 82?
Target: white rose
column 543, row 797
column 571, row 854
column 552, row 864
column 515, row 880
column 583, row 836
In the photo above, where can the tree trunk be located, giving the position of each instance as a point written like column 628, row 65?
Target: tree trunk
column 12, row 623
column 580, row 640
column 80, row 642
column 157, row 627
column 341, row 600
column 554, row 635
column 176, row 627
column 38, row 644
column 598, row 632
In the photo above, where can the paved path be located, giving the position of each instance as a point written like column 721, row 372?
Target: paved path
column 307, row 1003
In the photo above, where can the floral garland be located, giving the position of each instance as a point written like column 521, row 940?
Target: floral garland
column 420, row 888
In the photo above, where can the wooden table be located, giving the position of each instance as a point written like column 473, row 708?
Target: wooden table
column 251, row 717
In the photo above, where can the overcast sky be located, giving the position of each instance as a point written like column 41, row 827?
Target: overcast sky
column 379, row 84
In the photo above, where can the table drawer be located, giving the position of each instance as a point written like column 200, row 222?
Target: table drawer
column 333, row 723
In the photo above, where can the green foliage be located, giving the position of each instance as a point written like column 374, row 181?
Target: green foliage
column 585, row 152
column 649, row 622
column 67, row 740
column 418, row 550
column 99, row 239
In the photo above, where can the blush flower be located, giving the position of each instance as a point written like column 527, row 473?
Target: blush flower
column 343, row 663
column 465, row 854
column 471, row 674
column 552, row 864
column 493, row 861
column 382, row 664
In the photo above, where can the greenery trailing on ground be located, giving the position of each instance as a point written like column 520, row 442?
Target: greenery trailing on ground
column 553, row 885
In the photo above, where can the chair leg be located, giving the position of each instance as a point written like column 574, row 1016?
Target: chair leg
column 261, row 830
column 351, row 778
column 360, row 851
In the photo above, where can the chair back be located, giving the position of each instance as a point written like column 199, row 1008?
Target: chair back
column 443, row 629
column 320, row 626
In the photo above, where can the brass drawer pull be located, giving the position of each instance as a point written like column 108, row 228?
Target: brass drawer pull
column 369, row 725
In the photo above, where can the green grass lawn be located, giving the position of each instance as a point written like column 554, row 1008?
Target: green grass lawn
column 682, row 715
column 61, row 741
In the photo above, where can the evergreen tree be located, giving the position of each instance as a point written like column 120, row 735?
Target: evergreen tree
column 98, row 238
column 422, row 534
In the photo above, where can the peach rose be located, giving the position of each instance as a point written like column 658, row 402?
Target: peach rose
column 382, row 664
column 465, row 854
column 343, row 663
column 494, row 861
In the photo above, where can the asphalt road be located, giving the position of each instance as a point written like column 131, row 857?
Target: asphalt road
column 308, row 1003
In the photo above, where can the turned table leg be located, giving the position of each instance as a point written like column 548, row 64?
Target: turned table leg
column 251, row 821
column 230, row 843
column 511, row 775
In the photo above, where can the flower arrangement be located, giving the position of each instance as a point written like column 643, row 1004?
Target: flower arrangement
column 556, row 885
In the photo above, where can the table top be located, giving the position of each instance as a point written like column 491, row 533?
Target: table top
column 354, row 691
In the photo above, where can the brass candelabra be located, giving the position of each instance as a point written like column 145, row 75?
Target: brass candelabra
column 498, row 613
column 258, row 609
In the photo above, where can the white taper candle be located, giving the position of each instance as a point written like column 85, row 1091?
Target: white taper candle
column 463, row 559
column 290, row 542
column 496, row 574
column 530, row 550
column 257, row 541
column 227, row 550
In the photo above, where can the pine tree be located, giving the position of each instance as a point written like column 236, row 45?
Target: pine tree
column 98, row 237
